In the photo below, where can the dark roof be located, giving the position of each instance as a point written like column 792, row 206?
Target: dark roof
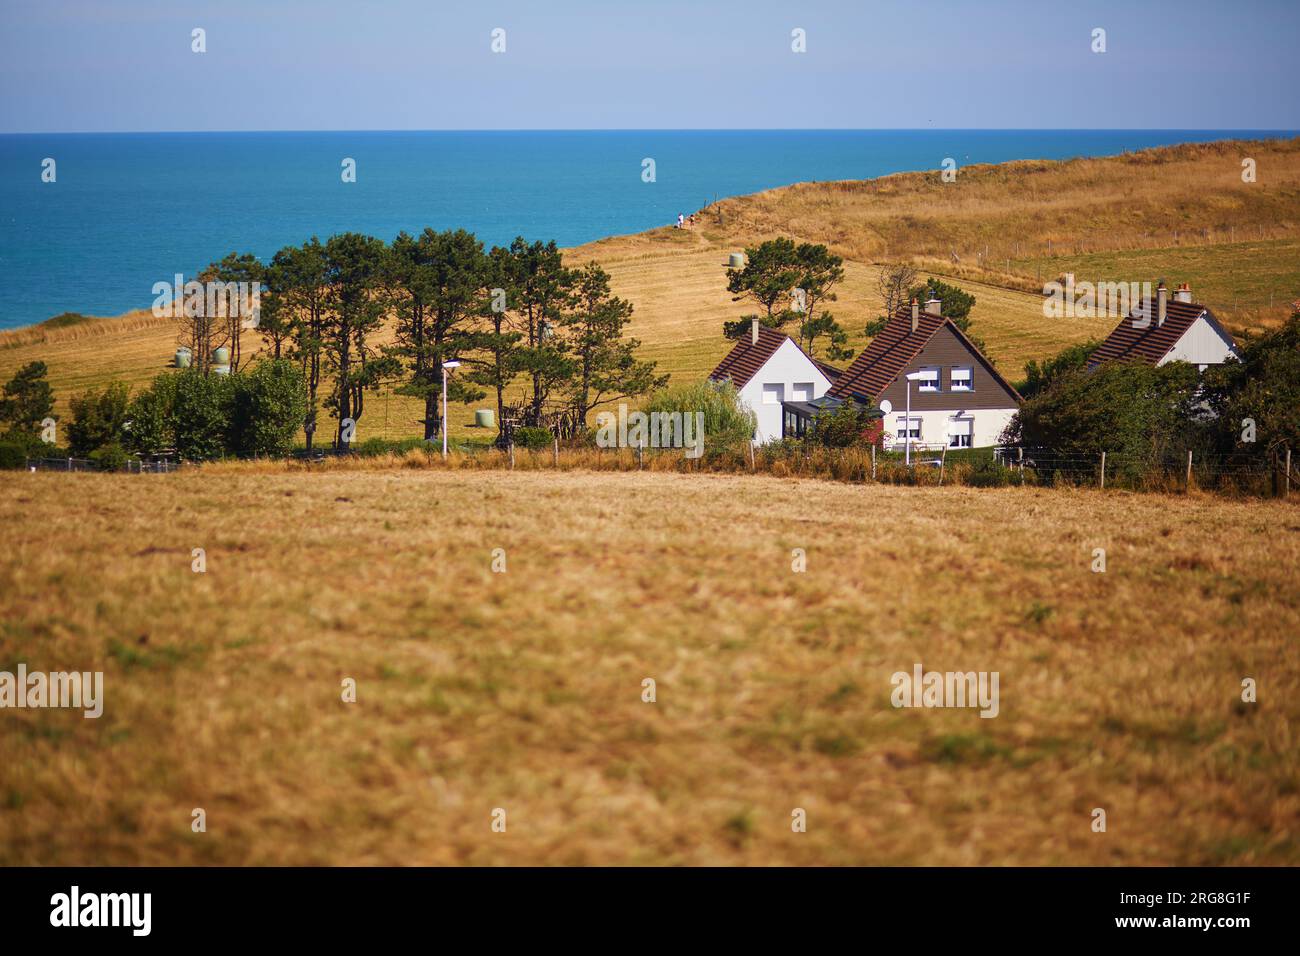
column 745, row 359
column 893, row 350
column 1130, row 343
column 830, row 371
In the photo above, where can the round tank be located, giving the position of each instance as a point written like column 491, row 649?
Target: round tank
column 221, row 356
column 483, row 418
column 183, row 358
column 736, row 260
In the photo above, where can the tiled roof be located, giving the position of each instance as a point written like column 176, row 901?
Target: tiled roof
column 743, row 362
column 888, row 355
column 1149, row 344
column 830, row 371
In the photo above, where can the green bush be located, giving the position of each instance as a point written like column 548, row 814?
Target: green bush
column 269, row 403
column 987, row 473
column 98, row 418
column 201, row 414
column 850, row 425
column 12, row 454
column 533, row 438
column 152, row 428
column 1144, row 417
column 110, row 457
column 727, row 420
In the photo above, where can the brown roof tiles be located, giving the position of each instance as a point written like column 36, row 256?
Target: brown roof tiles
column 1150, row 343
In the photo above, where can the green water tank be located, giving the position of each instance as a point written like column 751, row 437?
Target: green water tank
column 221, row 370
column 221, row 356
column 483, row 418
column 183, row 357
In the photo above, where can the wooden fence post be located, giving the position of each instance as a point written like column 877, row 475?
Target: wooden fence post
column 640, row 455
column 943, row 458
column 1103, row 471
column 1189, row 469
column 512, row 455
column 1286, row 488
column 873, row 462
column 557, row 451
column 752, row 466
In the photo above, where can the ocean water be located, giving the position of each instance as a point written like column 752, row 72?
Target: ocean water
column 129, row 210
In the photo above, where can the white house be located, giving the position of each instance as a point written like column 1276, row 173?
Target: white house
column 768, row 368
column 957, row 399
column 1174, row 330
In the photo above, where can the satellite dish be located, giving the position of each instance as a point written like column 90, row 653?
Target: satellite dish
column 886, row 406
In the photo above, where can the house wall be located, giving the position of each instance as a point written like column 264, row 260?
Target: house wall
column 989, row 403
column 787, row 367
column 945, row 350
column 987, row 423
column 1200, row 345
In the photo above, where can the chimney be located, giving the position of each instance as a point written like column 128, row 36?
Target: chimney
column 1184, row 293
column 933, row 306
column 916, row 315
column 753, row 331
column 1162, row 300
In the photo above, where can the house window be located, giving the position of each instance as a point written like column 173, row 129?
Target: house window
column 773, row 394
column 960, row 431
column 929, row 380
column 803, row 391
column 961, row 379
column 915, row 429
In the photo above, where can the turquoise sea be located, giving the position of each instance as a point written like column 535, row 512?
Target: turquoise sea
column 128, row 210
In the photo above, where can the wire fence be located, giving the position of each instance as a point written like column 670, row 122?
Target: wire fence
column 157, row 464
column 1265, row 473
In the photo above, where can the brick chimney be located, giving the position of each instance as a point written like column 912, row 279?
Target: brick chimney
column 933, row 306
column 916, row 315
column 1162, row 303
column 753, row 331
column 1184, row 293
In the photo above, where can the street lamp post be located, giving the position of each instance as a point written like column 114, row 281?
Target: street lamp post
column 907, row 454
column 452, row 363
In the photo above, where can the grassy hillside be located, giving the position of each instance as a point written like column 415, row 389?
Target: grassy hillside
column 1180, row 212
column 522, row 690
column 1016, row 223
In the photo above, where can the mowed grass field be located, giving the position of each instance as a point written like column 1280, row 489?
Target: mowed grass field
column 523, row 690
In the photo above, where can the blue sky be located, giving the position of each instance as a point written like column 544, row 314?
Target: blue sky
column 89, row 65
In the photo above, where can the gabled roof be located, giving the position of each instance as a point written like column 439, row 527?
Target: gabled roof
column 1149, row 344
column 745, row 359
column 894, row 349
column 830, row 371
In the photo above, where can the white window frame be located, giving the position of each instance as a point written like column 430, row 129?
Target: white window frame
column 901, row 428
column 970, row 378
column 923, row 385
column 803, row 392
column 773, row 393
column 955, row 440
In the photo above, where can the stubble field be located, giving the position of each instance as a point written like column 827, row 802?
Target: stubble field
column 522, row 690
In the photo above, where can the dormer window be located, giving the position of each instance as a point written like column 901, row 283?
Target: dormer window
column 929, row 380
column 961, row 379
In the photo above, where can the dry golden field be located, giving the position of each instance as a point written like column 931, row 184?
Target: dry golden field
column 522, row 690
column 1180, row 212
